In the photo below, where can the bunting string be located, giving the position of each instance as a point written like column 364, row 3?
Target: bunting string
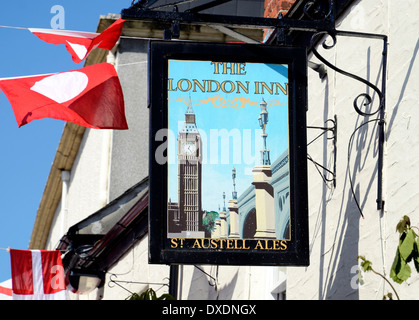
column 9, row 27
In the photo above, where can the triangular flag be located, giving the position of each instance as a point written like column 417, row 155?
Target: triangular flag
column 37, row 275
column 91, row 97
column 79, row 44
column 6, row 290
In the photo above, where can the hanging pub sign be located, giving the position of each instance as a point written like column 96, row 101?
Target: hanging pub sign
column 228, row 176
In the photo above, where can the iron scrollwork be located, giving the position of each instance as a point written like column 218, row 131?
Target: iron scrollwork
column 364, row 97
column 319, row 9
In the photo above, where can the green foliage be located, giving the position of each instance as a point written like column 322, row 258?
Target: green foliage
column 388, row 296
column 365, row 264
column 209, row 220
column 150, row 294
column 406, row 252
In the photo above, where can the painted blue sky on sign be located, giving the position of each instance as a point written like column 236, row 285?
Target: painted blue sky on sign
column 231, row 112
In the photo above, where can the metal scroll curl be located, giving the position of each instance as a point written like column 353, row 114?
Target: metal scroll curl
column 319, row 9
column 363, row 100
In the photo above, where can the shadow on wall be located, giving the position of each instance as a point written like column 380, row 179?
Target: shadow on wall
column 338, row 277
column 335, row 260
column 395, row 108
column 203, row 287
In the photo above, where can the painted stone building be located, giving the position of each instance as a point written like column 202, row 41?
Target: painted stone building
column 239, row 218
column 106, row 168
column 247, row 204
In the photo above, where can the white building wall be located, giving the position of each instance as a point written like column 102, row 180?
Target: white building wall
column 338, row 234
column 133, row 274
column 212, row 282
column 88, row 185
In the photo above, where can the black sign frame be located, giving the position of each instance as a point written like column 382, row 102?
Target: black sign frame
column 294, row 251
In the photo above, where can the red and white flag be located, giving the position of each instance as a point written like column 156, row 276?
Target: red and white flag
column 6, row 290
column 91, row 97
column 37, row 275
column 79, row 44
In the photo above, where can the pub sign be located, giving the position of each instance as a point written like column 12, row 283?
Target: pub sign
column 228, row 176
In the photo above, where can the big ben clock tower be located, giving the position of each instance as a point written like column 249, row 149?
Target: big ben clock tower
column 189, row 152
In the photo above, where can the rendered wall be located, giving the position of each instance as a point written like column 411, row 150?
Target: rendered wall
column 130, row 147
column 88, row 185
column 338, row 234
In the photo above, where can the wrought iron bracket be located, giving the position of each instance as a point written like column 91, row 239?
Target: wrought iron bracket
column 193, row 16
column 112, row 282
column 318, row 19
column 328, row 129
column 365, row 98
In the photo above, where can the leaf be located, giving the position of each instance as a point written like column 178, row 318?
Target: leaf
column 395, row 267
column 416, row 263
column 400, row 270
column 166, row 296
column 134, row 296
column 404, row 272
column 365, row 264
column 403, row 224
column 388, row 296
column 150, row 294
column 416, row 255
column 407, row 244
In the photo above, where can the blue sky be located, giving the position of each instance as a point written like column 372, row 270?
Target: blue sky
column 241, row 124
column 28, row 152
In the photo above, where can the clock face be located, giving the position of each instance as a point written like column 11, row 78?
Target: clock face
column 189, row 148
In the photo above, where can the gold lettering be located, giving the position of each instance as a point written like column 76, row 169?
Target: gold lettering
column 196, row 244
column 200, row 86
column 179, row 85
column 217, row 84
column 232, row 86
column 267, row 246
column 170, row 85
column 216, row 69
column 284, row 245
column 214, row 244
column 230, row 244
column 259, row 245
column 278, row 86
column 174, row 243
column 231, row 67
column 241, row 85
column 264, row 85
column 257, row 87
column 240, row 68
column 202, row 243
column 261, row 87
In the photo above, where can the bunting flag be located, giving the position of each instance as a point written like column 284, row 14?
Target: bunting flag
column 91, row 97
column 6, row 290
column 79, row 44
column 37, row 275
